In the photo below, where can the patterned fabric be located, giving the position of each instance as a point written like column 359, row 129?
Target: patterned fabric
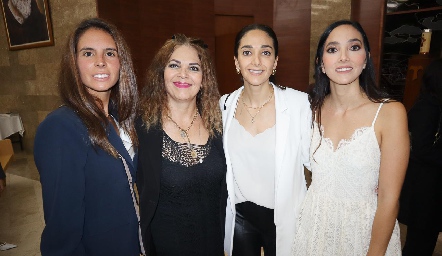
column 180, row 152
column 337, row 215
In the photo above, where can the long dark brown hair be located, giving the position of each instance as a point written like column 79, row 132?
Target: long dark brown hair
column 123, row 97
column 321, row 87
column 153, row 104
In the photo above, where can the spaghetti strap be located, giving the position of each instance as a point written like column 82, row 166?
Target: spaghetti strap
column 377, row 113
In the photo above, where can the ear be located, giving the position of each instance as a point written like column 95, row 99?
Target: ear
column 236, row 63
column 365, row 64
column 275, row 63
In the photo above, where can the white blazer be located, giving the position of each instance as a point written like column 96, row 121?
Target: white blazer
column 293, row 135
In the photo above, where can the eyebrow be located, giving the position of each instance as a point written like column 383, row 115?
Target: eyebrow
column 350, row 41
column 179, row 62
column 262, row 46
column 92, row 49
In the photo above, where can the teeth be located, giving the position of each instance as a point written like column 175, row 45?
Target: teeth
column 255, row 71
column 343, row 69
column 101, row 76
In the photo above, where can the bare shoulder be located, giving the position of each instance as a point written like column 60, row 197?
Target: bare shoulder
column 392, row 116
column 392, row 109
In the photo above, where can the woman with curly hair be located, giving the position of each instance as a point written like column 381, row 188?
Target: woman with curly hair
column 181, row 166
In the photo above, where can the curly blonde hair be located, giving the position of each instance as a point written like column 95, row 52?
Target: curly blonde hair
column 153, row 103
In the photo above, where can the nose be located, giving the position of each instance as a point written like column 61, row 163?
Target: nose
column 256, row 61
column 183, row 73
column 99, row 61
column 344, row 56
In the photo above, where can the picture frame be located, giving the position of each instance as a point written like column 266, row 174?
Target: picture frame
column 28, row 23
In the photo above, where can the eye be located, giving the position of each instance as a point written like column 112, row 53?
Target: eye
column 87, row 53
column 331, row 50
column 267, row 53
column 355, row 47
column 173, row 65
column 246, row 53
column 194, row 68
column 111, row 53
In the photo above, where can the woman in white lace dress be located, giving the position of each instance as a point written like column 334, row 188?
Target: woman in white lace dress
column 358, row 155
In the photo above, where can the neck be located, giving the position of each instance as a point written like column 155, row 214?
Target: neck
column 255, row 96
column 182, row 112
column 346, row 100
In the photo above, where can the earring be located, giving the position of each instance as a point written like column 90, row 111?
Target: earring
column 238, row 71
column 273, row 71
column 323, row 70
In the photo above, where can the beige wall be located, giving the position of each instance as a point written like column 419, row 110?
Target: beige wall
column 28, row 78
column 325, row 12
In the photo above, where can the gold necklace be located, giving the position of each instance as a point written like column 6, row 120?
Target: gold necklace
column 259, row 108
column 184, row 133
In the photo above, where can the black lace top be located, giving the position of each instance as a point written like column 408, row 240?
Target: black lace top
column 187, row 220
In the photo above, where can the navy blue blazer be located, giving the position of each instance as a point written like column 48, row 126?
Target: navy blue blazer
column 87, row 204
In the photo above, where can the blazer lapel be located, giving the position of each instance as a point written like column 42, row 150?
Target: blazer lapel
column 230, row 104
column 116, row 141
column 282, row 130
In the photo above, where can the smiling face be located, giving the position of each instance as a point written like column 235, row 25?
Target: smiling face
column 183, row 74
column 344, row 56
column 98, row 62
column 256, row 58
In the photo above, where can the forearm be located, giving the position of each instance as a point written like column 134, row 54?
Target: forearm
column 383, row 225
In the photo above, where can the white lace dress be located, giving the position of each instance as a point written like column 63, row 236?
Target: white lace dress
column 337, row 215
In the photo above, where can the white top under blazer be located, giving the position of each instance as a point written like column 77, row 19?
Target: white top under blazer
column 253, row 162
column 292, row 143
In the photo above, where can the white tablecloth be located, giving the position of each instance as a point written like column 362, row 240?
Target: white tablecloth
column 10, row 124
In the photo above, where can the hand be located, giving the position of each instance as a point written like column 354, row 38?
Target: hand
column 2, row 185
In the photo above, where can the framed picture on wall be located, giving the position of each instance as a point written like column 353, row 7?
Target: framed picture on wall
column 27, row 23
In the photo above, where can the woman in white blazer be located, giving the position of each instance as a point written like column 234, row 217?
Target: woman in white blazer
column 266, row 143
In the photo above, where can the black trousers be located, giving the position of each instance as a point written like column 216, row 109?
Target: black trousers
column 254, row 228
column 420, row 242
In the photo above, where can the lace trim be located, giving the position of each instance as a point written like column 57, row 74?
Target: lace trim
column 180, row 153
column 343, row 142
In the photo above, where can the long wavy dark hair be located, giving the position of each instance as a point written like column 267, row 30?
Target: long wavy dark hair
column 123, row 97
column 153, row 104
column 269, row 31
column 321, row 87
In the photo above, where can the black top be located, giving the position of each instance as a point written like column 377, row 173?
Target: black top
column 187, row 219
column 201, row 197
column 421, row 196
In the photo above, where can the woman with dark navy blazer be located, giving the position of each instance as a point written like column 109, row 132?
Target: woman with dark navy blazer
column 80, row 148
column 181, row 165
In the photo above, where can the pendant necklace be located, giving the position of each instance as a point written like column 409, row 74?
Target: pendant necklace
column 258, row 108
column 184, row 133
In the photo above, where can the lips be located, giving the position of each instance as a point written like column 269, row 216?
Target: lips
column 344, row 69
column 101, row 76
column 256, row 72
column 182, row 85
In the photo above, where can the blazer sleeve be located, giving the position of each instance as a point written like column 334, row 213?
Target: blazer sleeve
column 306, row 132
column 60, row 152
